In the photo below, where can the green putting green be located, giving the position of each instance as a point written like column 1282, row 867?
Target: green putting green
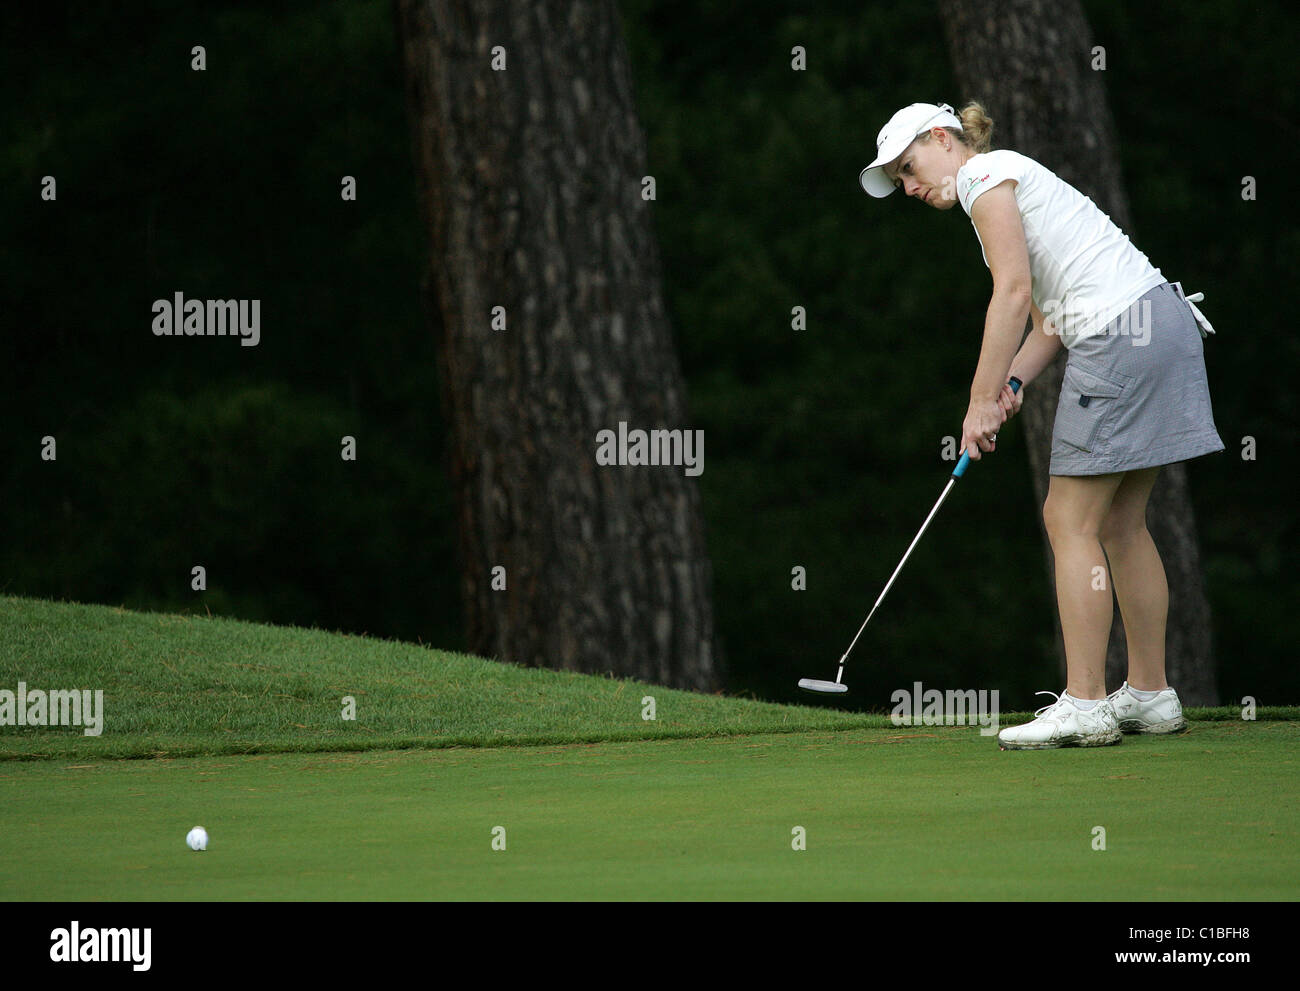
column 920, row 813
column 337, row 767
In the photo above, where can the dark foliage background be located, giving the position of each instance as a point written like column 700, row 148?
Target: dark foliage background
column 823, row 446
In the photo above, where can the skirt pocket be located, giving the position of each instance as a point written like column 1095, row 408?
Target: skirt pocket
column 1088, row 404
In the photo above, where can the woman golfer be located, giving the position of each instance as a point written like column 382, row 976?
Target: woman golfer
column 1134, row 398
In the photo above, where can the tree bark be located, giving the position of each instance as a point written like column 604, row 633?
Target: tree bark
column 1029, row 62
column 530, row 188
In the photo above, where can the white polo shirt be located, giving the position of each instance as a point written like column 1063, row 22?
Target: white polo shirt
column 1085, row 270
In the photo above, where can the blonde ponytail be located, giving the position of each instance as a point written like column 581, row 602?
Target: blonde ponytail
column 976, row 128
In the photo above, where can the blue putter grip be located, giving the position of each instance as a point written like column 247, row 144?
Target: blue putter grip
column 965, row 455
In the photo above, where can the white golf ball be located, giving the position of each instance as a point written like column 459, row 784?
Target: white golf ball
column 197, row 838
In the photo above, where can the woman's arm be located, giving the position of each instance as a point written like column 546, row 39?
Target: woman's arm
column 996, row 216
column 1040, row 347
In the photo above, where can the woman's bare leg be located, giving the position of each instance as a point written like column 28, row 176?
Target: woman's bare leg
column 1073, row 514
column 1139, row 577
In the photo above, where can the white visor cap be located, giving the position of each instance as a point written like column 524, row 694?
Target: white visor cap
column 894, row 138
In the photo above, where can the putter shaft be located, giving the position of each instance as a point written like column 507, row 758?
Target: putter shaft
column 957, row 473
column 946, row 489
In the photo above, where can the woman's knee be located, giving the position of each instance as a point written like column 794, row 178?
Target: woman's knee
column 1058, row 518
column 1120, row 529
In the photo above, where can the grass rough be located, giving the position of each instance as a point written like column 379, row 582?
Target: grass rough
column 189, row 686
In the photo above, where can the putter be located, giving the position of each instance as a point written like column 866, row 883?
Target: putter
column 837, row 687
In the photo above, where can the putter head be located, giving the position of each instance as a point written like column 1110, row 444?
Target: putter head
column 822, row 687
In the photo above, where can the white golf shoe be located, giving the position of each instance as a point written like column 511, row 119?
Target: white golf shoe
column 1163, row 714
column 1063, row 724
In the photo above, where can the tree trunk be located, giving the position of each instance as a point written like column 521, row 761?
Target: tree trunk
column 530, row 189
column 1029, row 62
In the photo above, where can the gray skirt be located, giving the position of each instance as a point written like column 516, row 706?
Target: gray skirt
column 1136, row 395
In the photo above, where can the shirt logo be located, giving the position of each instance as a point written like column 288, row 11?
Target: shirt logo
column 975, row 182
